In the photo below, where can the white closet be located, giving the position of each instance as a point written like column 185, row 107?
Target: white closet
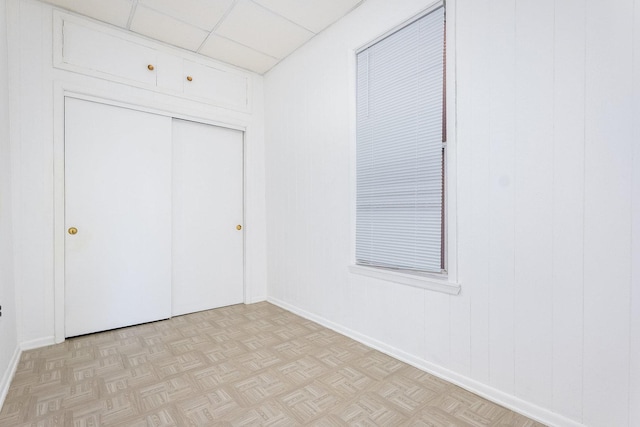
column 153, row 207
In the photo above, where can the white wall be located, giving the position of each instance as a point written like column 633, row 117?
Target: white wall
column 548, row 159
column 8, row 337
column 37, row 113
column 634, row 368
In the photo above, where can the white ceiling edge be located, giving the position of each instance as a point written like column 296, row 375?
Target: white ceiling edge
column 66, row 5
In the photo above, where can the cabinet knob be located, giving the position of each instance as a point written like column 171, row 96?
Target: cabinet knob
column 189, row 78
column 238, row 227
column 150, row 67
column 73, row 231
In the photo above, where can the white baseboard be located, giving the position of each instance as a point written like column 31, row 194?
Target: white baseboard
column 8, row 375
column 37, row 343
column 514, row 403
column 257, row 299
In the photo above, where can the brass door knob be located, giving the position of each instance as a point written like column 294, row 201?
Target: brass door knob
column 150, row 67
column 238, row 227
column 189, row 78
column 73, row 230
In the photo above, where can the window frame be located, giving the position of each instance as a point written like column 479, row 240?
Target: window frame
column 446, row 281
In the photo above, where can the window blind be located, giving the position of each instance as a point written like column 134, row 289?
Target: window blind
column 399, row 148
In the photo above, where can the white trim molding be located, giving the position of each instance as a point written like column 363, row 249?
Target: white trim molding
column 9, row 374
column 422, row 281
column 37, row 343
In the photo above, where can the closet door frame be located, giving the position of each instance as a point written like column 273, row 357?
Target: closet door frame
column 63, row 90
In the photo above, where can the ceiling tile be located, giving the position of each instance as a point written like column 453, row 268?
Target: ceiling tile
column 167, row 29
column 204, row 14
column 67, row 4
column 256, row 27
column 315, row 15
column 115, row 12
column 236, row 54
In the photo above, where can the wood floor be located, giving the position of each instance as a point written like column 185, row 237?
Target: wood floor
column 240, row 365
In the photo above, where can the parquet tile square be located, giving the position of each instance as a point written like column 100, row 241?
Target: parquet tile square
column 309, row 402
column 244, row 365
column 405, row 394
column 369, row 410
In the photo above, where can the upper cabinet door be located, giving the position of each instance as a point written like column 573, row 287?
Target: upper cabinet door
column 108, row 54
column 224, row 88
column 90, row 48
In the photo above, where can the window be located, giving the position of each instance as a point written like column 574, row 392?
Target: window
column 400, row 135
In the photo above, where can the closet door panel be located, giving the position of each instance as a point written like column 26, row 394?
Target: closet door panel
column 107, row 54
column 118, row 198
column 207, row 210
column 222, row 87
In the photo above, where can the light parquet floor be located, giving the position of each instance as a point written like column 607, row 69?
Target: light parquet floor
column 234, row 366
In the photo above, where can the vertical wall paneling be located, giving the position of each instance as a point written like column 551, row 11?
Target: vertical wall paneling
column 437, row 327
column 32, row 194
column 254, row 199
column 298, row 216
column 477, row 143
column 568, row 205
column 47, row 213
column 533, row 200
column 13, row 32
column 409, row 329
column 277, row 204
column 607, row 239
column 634, row 333
column 9, row 350
column 502, row 82
column 367, row 317
column 326, row 176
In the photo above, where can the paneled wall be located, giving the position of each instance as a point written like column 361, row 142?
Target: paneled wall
column 8, row 338
column 548, row 189
column 634, row 377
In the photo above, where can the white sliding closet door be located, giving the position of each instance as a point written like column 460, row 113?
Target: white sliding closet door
column 118, row 197
column 207, row 212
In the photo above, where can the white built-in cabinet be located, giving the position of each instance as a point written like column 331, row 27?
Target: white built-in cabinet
column 153, row 216
column 93, row 49
column 153, row 199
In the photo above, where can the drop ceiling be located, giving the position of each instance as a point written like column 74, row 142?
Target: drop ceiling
column 251, row 34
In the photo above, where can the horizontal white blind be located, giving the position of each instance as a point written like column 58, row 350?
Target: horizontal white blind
column 399, row 148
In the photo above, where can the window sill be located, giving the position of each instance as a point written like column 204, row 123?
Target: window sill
column 417, row 281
